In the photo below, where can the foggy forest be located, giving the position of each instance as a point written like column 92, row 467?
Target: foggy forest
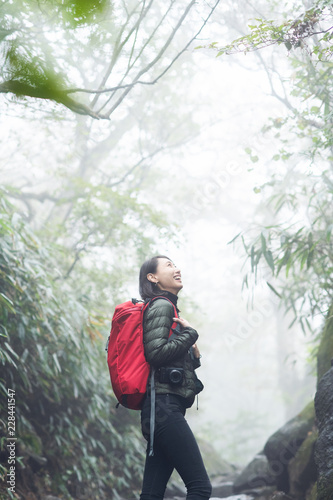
column 197, row 129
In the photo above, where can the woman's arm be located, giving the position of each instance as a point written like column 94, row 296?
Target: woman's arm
column 157, row 323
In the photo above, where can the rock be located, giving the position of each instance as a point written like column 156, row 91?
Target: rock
column 256, row 474
column 279, row 495
column 222, row 489
column 175, row 489
column 283, row 445
column 324, row 444
column 302, row 468
column 216, row 466
column 234, row 497
column 264, row 493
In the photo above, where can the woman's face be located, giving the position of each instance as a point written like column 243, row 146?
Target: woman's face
column 167, row 276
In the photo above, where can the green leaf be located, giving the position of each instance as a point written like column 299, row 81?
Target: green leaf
column 274, row 290
column 234, row 238
column 252, row 258
column 263, row 243
column 309, row 258
column 269, row 259
column 8, row 303
column 56, row 362
column 12, row 351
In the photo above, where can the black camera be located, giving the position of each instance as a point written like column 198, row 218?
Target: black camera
column 169, row 375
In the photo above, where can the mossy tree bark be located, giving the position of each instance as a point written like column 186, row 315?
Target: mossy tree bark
column 324, row 407
column 325, row 351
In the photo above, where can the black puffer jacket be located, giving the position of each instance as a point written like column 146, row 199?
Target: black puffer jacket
column 176, row 352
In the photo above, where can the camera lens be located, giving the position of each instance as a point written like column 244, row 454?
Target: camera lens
column 175, row 376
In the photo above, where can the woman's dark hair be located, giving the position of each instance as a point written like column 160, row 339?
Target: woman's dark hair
column 147, row 289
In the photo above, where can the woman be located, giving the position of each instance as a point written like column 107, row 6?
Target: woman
column 173, row 361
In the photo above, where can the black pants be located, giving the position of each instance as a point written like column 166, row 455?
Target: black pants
column 175, row 447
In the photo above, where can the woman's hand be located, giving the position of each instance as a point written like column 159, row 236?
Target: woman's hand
column 183, row 322
column 196, row 351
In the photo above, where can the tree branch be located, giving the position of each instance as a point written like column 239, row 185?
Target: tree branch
column 45, row 91
column 60, row 96
column 119, row 45
column 137, row 81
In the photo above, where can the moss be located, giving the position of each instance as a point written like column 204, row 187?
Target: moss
column 302, row 468
column 325, row 487
column 312, row 493
column 306, row 450
column 325, row 351
column 308, row 413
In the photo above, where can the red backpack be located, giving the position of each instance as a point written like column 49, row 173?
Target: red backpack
column 129, row 370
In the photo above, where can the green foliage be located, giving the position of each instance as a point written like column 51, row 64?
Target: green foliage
column 30, row 32
column 105, row 234
column 292, row 33
column 52, row 355
column 300, row 257
column 79, row 12
column 294, row 253
column 29, row 75
column 88, row 55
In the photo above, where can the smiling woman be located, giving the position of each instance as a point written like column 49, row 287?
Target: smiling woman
column 170, row 349
column 163, row 274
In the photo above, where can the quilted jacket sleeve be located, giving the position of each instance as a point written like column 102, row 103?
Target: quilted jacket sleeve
column 157, row 324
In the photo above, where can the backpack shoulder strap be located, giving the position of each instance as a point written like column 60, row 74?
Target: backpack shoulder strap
column 152, row 378
column 164, row 298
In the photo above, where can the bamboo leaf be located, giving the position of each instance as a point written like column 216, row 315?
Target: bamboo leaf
column 234, row 238
column 56, row 362
column 7, row 302
column 274, row 290
column 252, row 258
column 309, row 259
column 263, row 243
column 269, row 259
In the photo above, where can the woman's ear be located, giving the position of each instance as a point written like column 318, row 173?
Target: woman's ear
column 151, row 277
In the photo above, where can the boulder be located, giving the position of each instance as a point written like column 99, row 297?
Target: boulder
column 175, row 488
column 234, row 497
column 263, row 493
column 216, row 466
column 222, row 489
column 279, row 495
column 255, row 475
column 284, row 444
column 324, row 444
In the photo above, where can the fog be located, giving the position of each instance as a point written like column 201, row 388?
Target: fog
column 256, row 370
